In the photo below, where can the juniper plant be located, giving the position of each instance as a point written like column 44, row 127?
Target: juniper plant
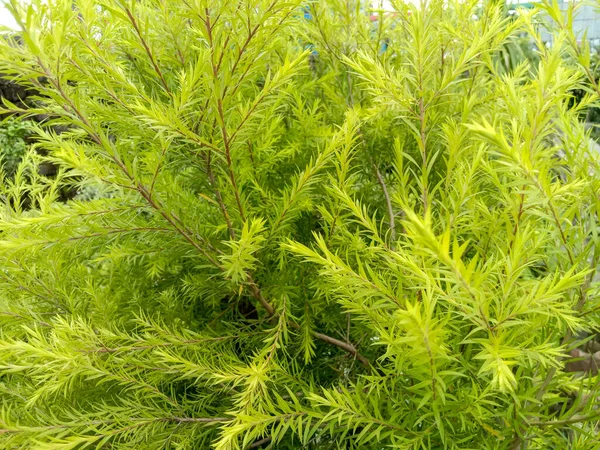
column 306, row 239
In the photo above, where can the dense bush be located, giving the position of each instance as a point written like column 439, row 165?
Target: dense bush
column 315, row 231
column 13, row 144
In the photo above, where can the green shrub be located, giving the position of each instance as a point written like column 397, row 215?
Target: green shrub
column 13, row 143
column 337, row 247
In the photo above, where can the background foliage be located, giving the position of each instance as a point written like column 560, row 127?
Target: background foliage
column 307, row 230
column 13, row 143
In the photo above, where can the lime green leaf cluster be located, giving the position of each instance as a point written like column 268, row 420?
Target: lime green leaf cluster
column 313, row 230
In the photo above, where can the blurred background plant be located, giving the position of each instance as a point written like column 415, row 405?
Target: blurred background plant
column 14, row 143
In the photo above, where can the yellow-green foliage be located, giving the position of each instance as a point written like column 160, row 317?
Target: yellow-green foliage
column 315, row 231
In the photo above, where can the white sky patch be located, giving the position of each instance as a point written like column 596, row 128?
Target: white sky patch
column 6, row 19
column 386, row 5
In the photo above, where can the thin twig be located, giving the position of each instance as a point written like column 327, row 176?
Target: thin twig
column 571, row 420
column 390, row 208
column 222, row 124
column 260, row 442
column 148, row 52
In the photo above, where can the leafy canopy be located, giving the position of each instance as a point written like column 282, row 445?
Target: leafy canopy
column 310, row 230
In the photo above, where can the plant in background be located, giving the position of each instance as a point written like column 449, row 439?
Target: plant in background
column 338, row 247
column 13, row 143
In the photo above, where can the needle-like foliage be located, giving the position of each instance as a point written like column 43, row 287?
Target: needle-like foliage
column 309, row 229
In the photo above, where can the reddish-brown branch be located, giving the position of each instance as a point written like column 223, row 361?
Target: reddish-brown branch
column 148, row 52
column 347, row 347
column 343, row 345
column 222, row 123
column 423, row 138
column 175, row 223
column 222, row 206
column 390, row 208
